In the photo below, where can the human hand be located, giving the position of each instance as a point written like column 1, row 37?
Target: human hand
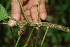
column 30, row 7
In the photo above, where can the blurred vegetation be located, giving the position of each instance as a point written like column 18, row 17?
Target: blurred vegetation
column 58, row 13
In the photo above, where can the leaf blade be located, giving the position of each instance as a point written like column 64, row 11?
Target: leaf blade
column 2, row 13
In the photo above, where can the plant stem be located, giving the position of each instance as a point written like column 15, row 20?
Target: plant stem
column 50, row 25
column 3, row 23
column 44, row 36
column 37, row 16
column 17, row 41
column 10, row 17
column 29, row 37
column 23, row 11
column 36, row 44
column 38, row 10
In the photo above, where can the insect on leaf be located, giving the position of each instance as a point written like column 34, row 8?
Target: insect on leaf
column 3, row 13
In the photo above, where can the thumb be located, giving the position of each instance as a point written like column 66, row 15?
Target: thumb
column 15, row 12
column 12, row 23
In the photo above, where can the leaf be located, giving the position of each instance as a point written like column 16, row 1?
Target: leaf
column 2, row 13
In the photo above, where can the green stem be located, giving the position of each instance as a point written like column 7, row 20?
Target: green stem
column 50, row 25
column 29, row 37
column 37, row 37
column 23, row 11
column 10, row 17
column 3, row 23
column 38, row 10
column 17, row 41
column 44, row 36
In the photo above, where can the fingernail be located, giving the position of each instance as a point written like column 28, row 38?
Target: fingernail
column 11, row 23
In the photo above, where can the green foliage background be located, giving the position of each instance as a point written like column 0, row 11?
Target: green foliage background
column 58, row 13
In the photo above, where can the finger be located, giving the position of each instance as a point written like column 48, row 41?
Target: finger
column 34, row 13
column 42, row 1
column 31, row 3
column 43, row 13
column 28, row 15
column 15, row 12
column 22, row 18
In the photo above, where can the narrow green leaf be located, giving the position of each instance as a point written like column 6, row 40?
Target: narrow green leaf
column 2, row 13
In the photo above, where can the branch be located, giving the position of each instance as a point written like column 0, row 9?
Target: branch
column 26, row 18
column 50, row 25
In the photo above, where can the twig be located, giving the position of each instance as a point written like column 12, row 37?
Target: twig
column 3, row 23
column 23, row 11
column 44, row 36
column 37, row 16
column 38, row 11
column 17, row 41
column 50, row 25
column 29, row 37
